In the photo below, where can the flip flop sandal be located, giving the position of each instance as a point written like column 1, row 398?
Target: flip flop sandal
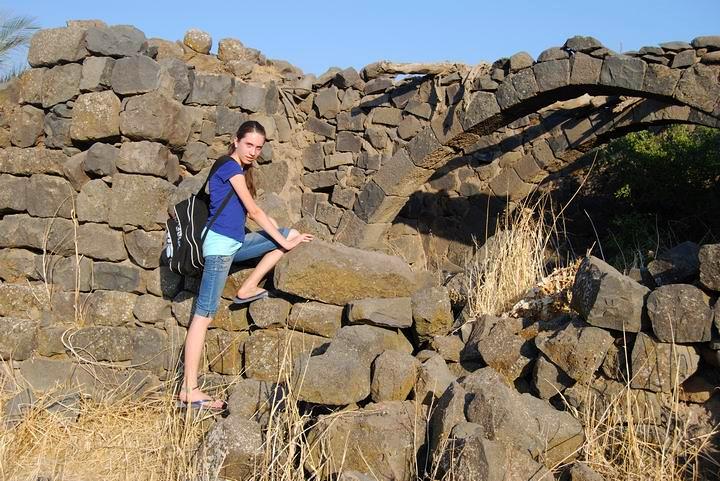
column 245, row 300
column 202, row 405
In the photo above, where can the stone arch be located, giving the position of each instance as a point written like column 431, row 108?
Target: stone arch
column 450, row 217
column 685, row 89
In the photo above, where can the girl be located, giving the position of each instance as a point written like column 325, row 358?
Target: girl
column 225, row 243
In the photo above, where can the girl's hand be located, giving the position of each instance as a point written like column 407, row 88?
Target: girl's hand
column 297, row 240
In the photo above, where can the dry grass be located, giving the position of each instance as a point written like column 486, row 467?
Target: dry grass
column 127, row 438
column 287, row 449
column 507, row 277
column 622, row 442
column 117, row 438
column 509, row 263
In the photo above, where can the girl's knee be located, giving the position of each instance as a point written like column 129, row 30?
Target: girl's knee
column 202, row 319
column 293, row 233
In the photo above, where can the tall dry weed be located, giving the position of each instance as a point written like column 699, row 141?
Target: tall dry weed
column 116, row 438
column 508, row 263
column 624, row 440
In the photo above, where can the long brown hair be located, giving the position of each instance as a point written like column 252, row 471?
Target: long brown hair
column 248, row 127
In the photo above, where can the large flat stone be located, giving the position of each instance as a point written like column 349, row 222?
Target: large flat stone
column 115, row 40
column 103, row 343
column 145, row 247
column 342, row 374
column 56, row 199
column 135, row 75
column 336, row 274
column 269, row 353
column 470, row 456
column 552, row 74
column 210, row 89
column 18, row 161
column 585, row 70
column 149, row 158
column 661, row 80
column 53, row 235
column 125, row 276
column 315, row 318
column 154, row 116
column 623, row 71
column 698, row 87
column 521, row 420
column 399, row 176
column 336, row 379
column 96, row 73
column 392, row 312
column 93, row 201
column 60, row 84
column 110, row 308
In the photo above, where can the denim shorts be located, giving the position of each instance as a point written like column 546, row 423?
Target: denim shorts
column 216, row 269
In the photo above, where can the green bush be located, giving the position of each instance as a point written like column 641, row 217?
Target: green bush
column 665, row 187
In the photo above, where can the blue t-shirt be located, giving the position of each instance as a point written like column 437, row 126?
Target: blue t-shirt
column 231, row 221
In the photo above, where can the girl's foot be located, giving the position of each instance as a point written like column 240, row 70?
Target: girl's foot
column 197, row 399
column 247, row 293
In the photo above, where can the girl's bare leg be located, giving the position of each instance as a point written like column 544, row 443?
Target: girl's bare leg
column 194, row 342
column 268, row 261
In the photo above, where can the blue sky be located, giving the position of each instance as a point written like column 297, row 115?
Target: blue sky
column 318, row 35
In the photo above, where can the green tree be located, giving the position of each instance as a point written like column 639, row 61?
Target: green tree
column 666, row 190
column 15, row 34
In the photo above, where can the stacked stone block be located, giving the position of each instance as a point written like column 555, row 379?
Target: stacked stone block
column 108, row 129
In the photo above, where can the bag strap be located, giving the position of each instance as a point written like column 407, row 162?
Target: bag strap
column 218, row 163
column 213, row 218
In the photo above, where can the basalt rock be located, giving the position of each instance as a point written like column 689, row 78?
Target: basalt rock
column 709, row 256
column 659, row 366
column 385, row 436
column 55, row 45
column 504, row 415
column 680, row 313
column 470, row 456
column 606, row 298
column 382, row 312
column 335, row 274
column 578, row 349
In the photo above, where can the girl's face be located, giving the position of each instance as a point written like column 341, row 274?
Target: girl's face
column 249, row 147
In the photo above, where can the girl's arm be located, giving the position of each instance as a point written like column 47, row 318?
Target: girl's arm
column 258, row 215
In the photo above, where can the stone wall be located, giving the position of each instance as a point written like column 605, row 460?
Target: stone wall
column 347, row 149
column 109, row 128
